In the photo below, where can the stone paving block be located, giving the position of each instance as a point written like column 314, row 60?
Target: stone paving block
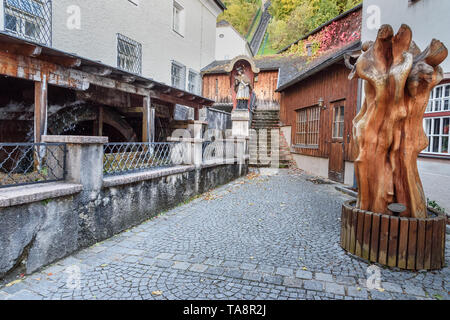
column 164, row 263
column 248, row 266
column 334, row 288
column 324, row 277
column 313, row 285
column 413, row 290
column 213, row 262
column 24, row 295
column 292, row 282
column 181, row 265
column 234, row 273
column 355, row 292
column 303, row 274
column 253, row 276
column 147, row 261
column 266, row 268
column 392, row 287
column 129, row 259
column 287, row 272
column 198, row 268
column 165, row 256
column 231, row 264
column 215, row 270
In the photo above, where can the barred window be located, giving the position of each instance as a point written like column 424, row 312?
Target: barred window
column 29, row 19
column 308, row 127
column 129, row 54
column 194, row 82
column 178, row 76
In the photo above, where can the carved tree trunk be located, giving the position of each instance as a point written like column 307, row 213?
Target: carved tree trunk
column 388, row 131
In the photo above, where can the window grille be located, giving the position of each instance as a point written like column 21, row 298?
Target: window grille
column 129, row 54
column 29, row 19
column 308, row 127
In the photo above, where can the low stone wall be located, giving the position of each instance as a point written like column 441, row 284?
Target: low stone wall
column 49, row 228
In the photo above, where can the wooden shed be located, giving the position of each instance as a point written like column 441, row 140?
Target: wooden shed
column 318, row 106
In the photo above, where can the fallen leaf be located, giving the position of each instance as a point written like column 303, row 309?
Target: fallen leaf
column 359, row 289
column 22, row 275
column 50, row 274
column 305, row 268
column 13, row 283
column 104, row 265
column 437, row 296
column 381, row 289
column 157, row 293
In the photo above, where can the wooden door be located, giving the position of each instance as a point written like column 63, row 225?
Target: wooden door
column 336, row 166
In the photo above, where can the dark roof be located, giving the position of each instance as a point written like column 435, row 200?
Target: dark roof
column 292, row 68
column 312, row 67
column 220, row 4
column 342, row 15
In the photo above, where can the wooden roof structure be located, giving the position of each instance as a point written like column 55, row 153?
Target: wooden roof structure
column 45, row 66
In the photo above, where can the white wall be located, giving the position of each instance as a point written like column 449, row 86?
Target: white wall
column 231, row 45
column 427, row 18
column 149, row 23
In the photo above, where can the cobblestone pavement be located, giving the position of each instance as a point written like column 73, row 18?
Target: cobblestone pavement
column 266, row 237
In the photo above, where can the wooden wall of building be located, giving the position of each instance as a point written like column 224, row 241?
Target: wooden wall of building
column 217, row 87
column 332, row 85
column 266, row 85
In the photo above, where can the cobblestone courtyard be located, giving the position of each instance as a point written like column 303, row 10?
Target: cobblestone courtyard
column 260, row 237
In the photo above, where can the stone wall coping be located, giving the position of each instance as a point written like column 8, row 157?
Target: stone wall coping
column 130, row 178
column 75, row 139
column 193, row 140
column 218, row 162
column 20, row 195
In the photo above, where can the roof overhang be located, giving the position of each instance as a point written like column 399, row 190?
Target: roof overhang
column 338, row 56
column 27, row 60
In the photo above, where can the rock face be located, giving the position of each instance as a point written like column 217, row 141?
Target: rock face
column 41, row 232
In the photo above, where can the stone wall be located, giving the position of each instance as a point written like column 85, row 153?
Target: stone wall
column 48, row 228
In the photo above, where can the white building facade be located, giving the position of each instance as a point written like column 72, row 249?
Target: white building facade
column 230, row 43
column 167, row 40
column 428, row 19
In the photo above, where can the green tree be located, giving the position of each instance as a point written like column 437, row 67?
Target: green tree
column 240, row 13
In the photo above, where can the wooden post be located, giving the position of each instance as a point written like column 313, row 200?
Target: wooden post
column 146, row 122
column 196, row 114
column 100, row 121
column 40, row 108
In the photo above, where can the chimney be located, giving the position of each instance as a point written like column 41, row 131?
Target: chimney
column 309, row 49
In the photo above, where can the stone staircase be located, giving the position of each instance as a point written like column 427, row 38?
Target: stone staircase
column 261, row 152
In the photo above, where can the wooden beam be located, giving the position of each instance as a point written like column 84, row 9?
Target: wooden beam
column 40, row 108
column 67, row 62
column 146, row 119
column 128, row 79
column 98, row 71
column 27, row 50
column 176, row 100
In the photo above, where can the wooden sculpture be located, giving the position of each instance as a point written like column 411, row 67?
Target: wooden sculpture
column 388, row 131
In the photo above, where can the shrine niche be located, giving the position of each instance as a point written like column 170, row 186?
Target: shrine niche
column 390, row 222
column 242, row 72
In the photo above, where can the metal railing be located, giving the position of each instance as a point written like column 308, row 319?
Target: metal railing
column 121, row 158
column 29, row 19
column 31, row 163
column 219, row 150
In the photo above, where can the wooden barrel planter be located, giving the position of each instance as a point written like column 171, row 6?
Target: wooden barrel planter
column 406, row 243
